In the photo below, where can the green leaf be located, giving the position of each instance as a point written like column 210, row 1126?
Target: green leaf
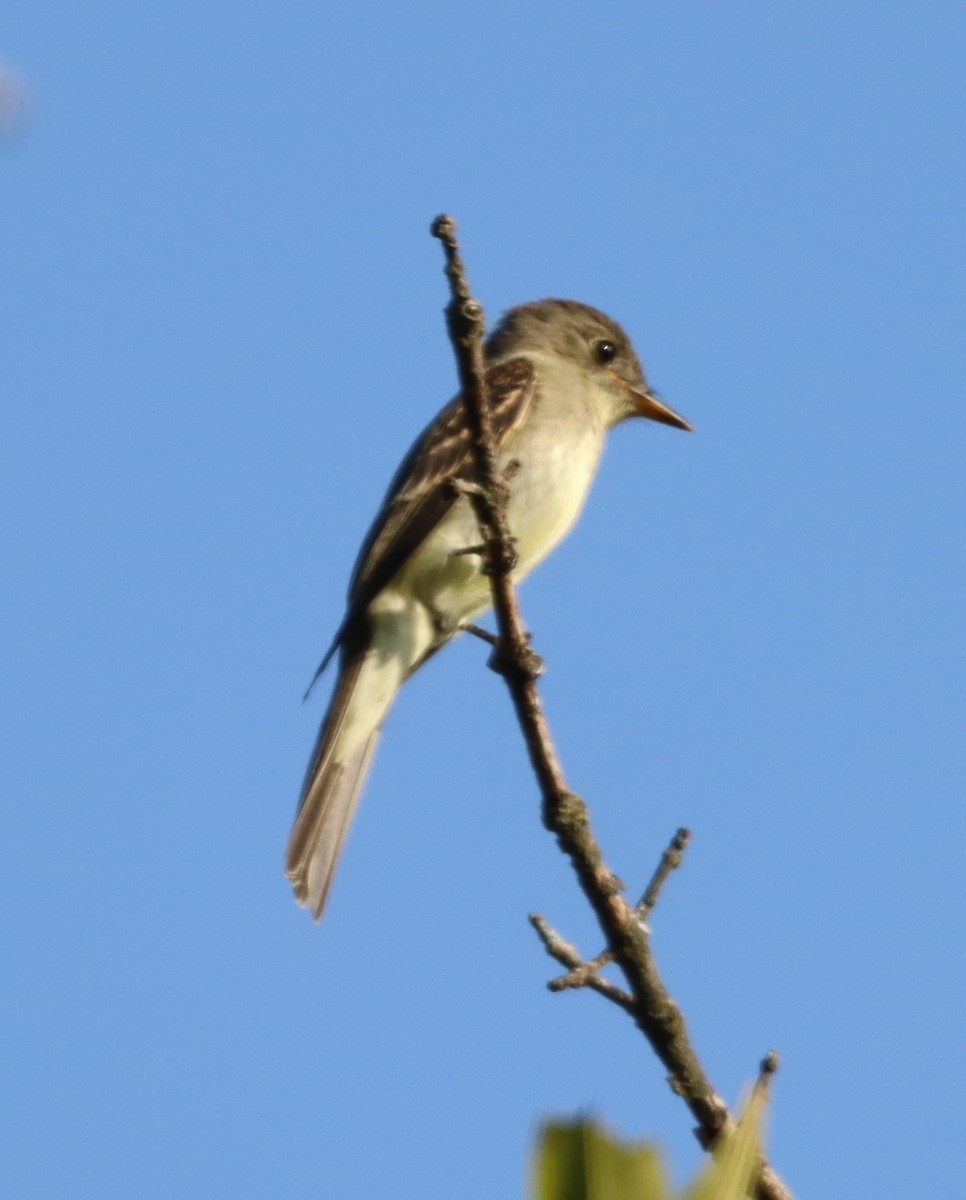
column 581, row 1161
column 731, row 1173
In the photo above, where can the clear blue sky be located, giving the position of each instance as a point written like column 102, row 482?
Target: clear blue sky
column 222, row 326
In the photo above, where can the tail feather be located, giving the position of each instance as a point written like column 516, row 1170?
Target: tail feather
column 337, row 770
column 323, row 822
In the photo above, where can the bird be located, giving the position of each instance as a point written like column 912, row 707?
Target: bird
column 559, row 375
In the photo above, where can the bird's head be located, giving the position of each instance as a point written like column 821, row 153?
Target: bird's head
column 590, row 339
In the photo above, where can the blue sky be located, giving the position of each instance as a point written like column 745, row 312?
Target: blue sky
column 222, row 329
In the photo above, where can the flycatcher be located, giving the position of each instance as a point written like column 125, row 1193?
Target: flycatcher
column 559, row 375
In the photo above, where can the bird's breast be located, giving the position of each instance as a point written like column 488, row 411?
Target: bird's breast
column 547, row 493
column 549, row 473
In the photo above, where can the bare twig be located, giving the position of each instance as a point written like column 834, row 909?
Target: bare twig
column 767, row 1068
column 770, row 1184
column 564, row 812
column 567, row 953
column 670, row 860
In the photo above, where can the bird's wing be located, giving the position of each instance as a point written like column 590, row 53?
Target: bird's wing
column 420, row 494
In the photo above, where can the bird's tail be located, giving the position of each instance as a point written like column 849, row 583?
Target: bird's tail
column 337, row 771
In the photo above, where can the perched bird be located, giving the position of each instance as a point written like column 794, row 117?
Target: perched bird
column 559, row 375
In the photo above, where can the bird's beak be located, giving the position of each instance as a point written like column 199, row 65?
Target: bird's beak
column 649, row 404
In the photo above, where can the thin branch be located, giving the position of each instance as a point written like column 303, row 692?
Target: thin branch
column 670, row 860
column 770, row 1184
column 567, row 953
column 767, row 1068
column 564, row 812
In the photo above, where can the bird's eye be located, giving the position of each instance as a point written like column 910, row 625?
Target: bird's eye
column 605, row 351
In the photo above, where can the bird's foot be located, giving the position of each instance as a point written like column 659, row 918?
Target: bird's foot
column 484, row 635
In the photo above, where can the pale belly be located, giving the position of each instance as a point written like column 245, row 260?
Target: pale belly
column 545, row 501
